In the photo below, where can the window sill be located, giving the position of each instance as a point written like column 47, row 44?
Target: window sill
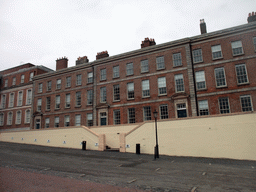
column 204, row 89
column 78, row 85
column 130, row 99
column 145, row 97
column 56, row 109
column 78, row 106
column 144, row 72
column 159, row 95
column 160, row 69
column 67, row 107
column 177, row 66
column 238, row 54
column 179, row 91
column 102, row 80
column 89, row 104
column 129, row 75
column 217, row 58
column 89, row 83
column 116, row 77
column 219, row 87
column 47, row 110
column 115, row 101
column 241, row 84
column 48, row 91
column 67, row 87
column 196, row 62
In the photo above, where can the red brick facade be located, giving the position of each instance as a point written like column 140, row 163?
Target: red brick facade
column 17, row 96
column 223, row 63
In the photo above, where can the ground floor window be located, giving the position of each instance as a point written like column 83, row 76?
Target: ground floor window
column 56, row 122
column 246, row 103
column 78, row 120
column 147, row 113
column 67, row 121
column 203, row 107
column 131, row 115
column 89, row 119
column 164, row 112
column 116, row 117
column 224, row 105
column 47, row 122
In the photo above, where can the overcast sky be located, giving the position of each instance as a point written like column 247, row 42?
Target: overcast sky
column 40, row 31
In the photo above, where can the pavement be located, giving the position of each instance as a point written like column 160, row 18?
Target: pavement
column 39, row 168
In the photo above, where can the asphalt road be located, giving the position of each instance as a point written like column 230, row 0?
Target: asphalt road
column 124, row 170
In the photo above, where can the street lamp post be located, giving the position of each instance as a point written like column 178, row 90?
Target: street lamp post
column 156, row 147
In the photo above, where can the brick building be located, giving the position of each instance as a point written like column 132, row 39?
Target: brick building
column 212, row 73
column 16, row 96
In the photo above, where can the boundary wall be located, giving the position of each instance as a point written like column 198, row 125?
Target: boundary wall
column 228, row 136
column 59, row 137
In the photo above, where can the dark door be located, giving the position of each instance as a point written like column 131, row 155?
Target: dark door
column 182, row 113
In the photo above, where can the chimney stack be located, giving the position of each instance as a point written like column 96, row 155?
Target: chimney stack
column 251, row 17
column 102, row 54
column 82, row 60
column 147, row 42
column 202, row 26
column 61, row 63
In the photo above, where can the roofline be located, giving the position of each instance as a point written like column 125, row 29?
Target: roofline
column 170, row 44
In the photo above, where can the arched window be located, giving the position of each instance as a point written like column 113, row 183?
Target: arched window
column 9, row 119
column 27, row 116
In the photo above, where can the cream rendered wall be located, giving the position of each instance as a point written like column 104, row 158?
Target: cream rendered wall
column 72, row 136
column 112, row 133
column 218, row 137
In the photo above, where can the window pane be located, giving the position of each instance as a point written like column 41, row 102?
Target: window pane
column 220, row 77
column 116, row 92
column 78, row 98
column 115, row 71
column 103, row 94
column 197, row 55
column 144, row 66
column 79, row 79
column 131, row 115
column 145, row 88
column 78, row 120
column 160, row 62
column 129, row 69
column 177, row 59
column 130, row 90
column 147, row 113
column 216, row 52
column 117, row 117
column 241, row 74
column 103, row 74
column 89, row 97
column 200, row 80
column 224, row 105
column 89, row 119
column 161, row 85
column 179, row 83
column 163, row 112
column 203, row 107
column 246, row 103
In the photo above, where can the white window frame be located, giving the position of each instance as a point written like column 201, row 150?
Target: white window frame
column 90, row 77
column 203, row 107
column 103, row 94
column 160, row 64
column 66, row 121
column 48, row 105
column 222, row 110
column 14, row 81
column 6, row 83
column 89, row 119
column 162, row 89
column 57, row 121
column 145, row 86
column 78, row 99
column 162, row 115
column 197, row 55
column 179, row 83
column 144, row 66
column 237, row 48
column 20, row 98
column 79, row 79
column 89, row 97
column 1, row 119
column 67, row 100
column 68, row 81
column 130, row 90
column 116, row 121
column 147, row 116
column 245, row 76
column 57, row 102
column 241, row 102
column 3, row 101
column 116, row 92
column 27, row 116
column 39, row 104
column 217, row 78
column 129, row 69
column 18, row 117
column 9, row 118
column 116, row 71
column 103, row 74
column 49, row 85
column 11, row 99
column 22, row 78
column 58, row 84
column 31, row 75
column 47, row 122
column 29, row 97
column 77, row 120
column 216, row 52
column 177, row 59
column 40, row 87
column 200, row 80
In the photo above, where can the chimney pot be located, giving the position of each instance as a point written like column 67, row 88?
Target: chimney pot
column 202, row 26
column 148, row 42
column 251, row 17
